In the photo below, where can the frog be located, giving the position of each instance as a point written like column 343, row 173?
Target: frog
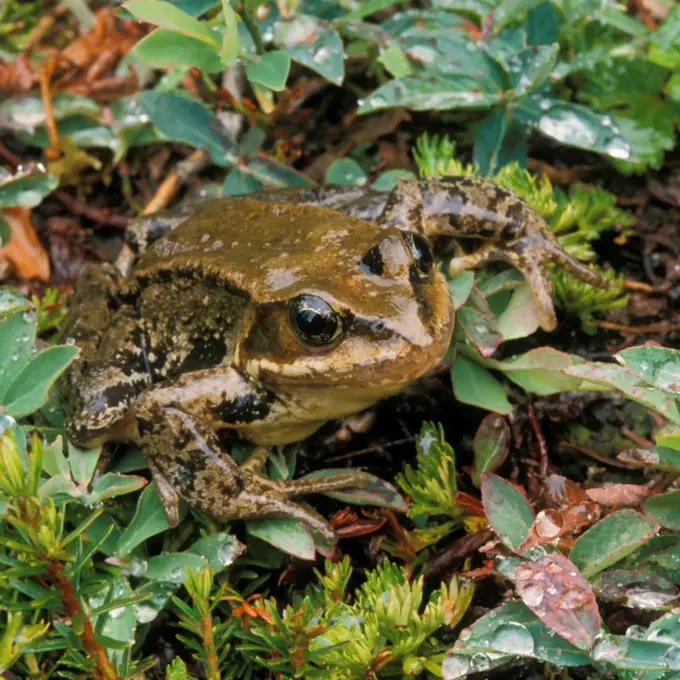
column 261, row 317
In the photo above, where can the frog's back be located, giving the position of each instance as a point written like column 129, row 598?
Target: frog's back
column 261, row 250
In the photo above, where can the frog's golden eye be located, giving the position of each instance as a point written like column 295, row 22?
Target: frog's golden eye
column 420, row 252
column 313, row 320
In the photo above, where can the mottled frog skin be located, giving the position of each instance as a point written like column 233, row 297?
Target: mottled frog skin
column 262, row 317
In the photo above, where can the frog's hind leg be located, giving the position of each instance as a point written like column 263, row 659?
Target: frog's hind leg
column 186, row 462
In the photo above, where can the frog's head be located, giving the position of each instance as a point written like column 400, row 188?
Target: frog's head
column 356, row 319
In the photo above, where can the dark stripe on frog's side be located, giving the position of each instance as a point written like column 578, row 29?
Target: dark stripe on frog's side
column 245, row 408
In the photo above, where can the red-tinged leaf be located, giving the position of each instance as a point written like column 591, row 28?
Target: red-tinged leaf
column 619, row 495
column 507, row 510
column 362, row 527
column 491, row 446
column 559, row 595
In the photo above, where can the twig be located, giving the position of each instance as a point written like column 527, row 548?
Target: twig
column 370, row 449
column 596, row 456
column 53, row 152
column 176, row 178
column 640, row 441
column 103, row 667
column 10, row 157
column 540, row 441
column 661, row 328
column 98, row 215
column 640, row 286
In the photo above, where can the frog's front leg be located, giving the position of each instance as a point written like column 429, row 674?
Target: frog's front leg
column 178, row 423
column 474, row 207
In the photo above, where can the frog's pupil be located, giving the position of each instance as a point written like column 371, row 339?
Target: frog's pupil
column 420, row 251
column 313, row 319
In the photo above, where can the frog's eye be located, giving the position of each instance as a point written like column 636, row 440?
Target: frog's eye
column 420, row 252
column 313, row 320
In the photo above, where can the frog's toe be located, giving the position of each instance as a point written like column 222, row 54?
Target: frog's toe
column 576, row 268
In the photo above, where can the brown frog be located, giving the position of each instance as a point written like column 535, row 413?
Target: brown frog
column 265, row 316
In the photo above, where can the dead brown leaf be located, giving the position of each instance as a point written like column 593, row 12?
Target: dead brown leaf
column 24, row 251
column 16, row 77
column 619, row 495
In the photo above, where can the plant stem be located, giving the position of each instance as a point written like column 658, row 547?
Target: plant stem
column 247, row 19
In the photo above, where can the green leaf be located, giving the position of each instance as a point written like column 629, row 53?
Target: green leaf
column 434, row 89
column 478, row 324
column 395, row 61
column 185, row 120
column 473, row 384
column 83, row 463
column 345, row 172
column 665, row 509
column 530, row 68
column 112, row 484
column 163, row 48
column 632, row 654
column 28, row 188
column 286, row 534
column 166, row 15
column 388, row 180
column 324, row 54
column 491, row 446
column 520, row 318
column 17, row 335
column 172, row 567
column 627, row 382
column 230, row 42
column 539, row 371
column 460, row 288
column 611, row 539
column 270, row 70
column 508, row 512
column 503, row 634
column 29, row 390
column 27, row 112
column 574, row 125
column 659, row 366
column 370, row 490
column 149, row 519
column 5, row 232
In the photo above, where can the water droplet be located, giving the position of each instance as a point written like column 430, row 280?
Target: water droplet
column 513, row 638
column 618, row 148
column 479, row 663
column 322, row 55
column 176, row 574
column 377, row 102
column 145, row 613
column 609, row 648
column 465, row 634
column 636, row 632
column 137, row 567
column 455, row 666
column 228, row 551
column 672, row 658
column 533, row 595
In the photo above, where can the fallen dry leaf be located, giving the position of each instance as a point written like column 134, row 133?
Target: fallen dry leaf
column 28, row 258
column 619, row 495
column 16, row 77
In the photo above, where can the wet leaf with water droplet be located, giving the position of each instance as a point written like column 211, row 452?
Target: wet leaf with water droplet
column 659, row 366
column 637, row 589
column 172, row 567
column 560, row 596
column 665, row 509
column 270, row 70
column 478, row 324
column 345, row 172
